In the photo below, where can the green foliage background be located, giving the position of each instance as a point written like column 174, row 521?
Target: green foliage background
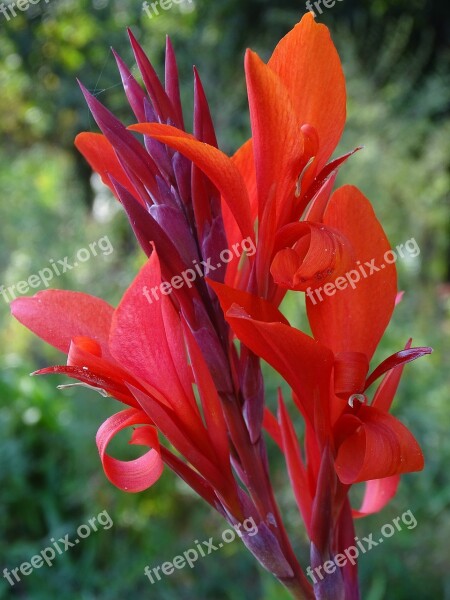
column 397, row 66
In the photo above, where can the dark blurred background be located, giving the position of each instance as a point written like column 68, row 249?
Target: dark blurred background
column 396, row 58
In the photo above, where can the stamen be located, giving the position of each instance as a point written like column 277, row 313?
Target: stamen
column 100, row 391
column 358, row 397
column 298, row 186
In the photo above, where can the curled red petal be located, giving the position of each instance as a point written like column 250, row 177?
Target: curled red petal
column 376, row 446
column 93, row 379
column 138, row 474
column 96, row 367
column 378, row 494
column 311, row 256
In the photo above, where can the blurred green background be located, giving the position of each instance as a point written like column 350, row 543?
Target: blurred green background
column 396, row 58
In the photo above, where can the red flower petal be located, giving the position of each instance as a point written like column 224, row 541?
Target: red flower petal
column 285, row 348
column 193, row 444
column 243, row 159
column 378, row 446
column 296, row 468
column 379, row 492
column 355, row 318
column 259, row 308
column 134, row 475
column 326, row 176
column 99, row 153
column 277, row 142
column 96, row 367
column 309, row 66
column 384, row 396
column 212, row 408
column 58, row 316
column 147, row 340
column 191, row 477
column 311, row 256
column 399, row 358
column 271, row 425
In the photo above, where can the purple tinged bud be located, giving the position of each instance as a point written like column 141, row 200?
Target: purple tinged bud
column 147, row 230
column 157, row 150
column 150, row 114
column 128, row 149
column 172, row 83
column 144, row 194
column 265, row 547
column 328, row 585
column 158, row 96
column 167, row 195
column 248, row 508
column 135, row 94
column 252, row 385
column 182, row 169
column 208, row 342
column 174, row 224
column 206, row 202
column 213, row 243
column 322, row 521
column 203, row 124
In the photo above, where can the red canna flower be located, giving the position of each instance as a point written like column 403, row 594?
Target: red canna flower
column 187, row 202
column 109, row 349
